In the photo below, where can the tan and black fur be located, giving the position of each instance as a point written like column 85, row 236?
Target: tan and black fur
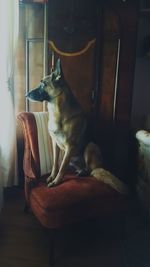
column 67, row 127
column 67, row 122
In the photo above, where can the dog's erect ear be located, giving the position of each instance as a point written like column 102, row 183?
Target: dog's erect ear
column 58, row 68
column 58, row 73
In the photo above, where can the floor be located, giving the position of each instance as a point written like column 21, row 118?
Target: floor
column 115, row 243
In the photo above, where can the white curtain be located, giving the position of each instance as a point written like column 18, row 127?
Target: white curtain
column 9, row 10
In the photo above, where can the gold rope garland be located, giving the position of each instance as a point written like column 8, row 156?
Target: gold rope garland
column 53, row 46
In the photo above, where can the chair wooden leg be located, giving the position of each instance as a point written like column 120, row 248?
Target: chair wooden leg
column 52, row 247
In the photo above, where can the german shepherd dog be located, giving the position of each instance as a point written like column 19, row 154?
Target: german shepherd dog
column 68, row 129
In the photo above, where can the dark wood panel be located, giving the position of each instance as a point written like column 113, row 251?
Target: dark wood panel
column 79, row 72
column 108, row 71
column 129, row 24
column 71, row 23
column 115, row 91
column 72, row 31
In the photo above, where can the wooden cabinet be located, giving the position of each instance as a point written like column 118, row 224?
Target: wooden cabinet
column 96, row 41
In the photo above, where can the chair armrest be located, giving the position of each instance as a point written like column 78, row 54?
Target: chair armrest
column 31, row 160
column 143, row 136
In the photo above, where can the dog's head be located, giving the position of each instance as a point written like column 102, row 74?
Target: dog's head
column 49, row 87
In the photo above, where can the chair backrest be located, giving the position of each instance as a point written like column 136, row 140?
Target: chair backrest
column 44, row 142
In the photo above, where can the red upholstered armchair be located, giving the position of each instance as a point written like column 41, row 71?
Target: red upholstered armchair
column 75, row 199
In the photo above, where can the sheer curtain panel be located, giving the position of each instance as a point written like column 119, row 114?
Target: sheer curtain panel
column 9, row 10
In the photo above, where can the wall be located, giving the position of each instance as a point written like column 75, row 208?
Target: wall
column 141, row 93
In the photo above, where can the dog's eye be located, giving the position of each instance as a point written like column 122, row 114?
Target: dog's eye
column 42, row 84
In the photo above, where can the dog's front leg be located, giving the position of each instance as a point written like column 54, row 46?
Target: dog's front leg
column 55, row 161
column 64, row 164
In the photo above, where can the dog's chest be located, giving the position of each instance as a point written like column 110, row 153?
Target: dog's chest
column 57, row 134
column 54, row 118
column 55, row 127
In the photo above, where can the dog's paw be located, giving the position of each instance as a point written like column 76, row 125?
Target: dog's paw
column 51, row 184
column 50, row 179
column 54, row 182
column 52, row 175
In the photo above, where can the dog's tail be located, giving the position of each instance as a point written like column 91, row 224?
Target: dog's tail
column 93, row 160
column 108, row 178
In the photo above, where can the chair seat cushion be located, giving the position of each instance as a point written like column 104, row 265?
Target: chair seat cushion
column 74, row 199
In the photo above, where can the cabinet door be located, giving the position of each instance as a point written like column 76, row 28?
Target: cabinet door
column 116, row 75
column 72, row 28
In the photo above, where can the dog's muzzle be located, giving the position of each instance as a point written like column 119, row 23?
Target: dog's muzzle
column 37, row 94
